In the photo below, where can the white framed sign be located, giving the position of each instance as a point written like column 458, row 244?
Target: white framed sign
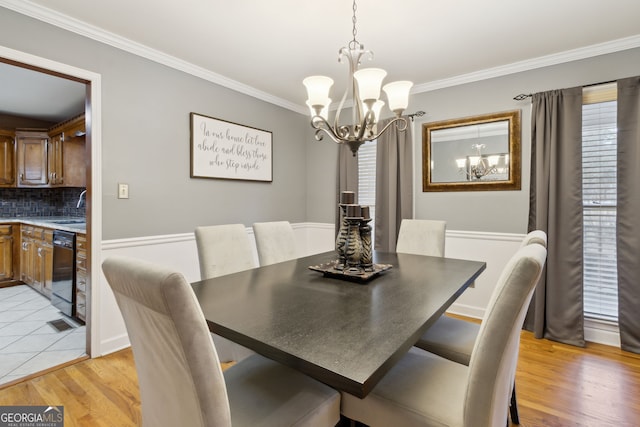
column 226, row 150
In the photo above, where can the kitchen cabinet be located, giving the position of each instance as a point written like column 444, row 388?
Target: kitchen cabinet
column 6, row 252
column 7, row 159
column 66, row 154
column 36, row 258
column 32, row 168
column 82, row 283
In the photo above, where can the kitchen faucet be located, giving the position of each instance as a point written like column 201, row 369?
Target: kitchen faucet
column 80, row 198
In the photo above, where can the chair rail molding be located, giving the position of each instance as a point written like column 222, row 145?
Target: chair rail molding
column 179, row 251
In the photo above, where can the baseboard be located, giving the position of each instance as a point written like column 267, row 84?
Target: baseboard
column 114, row 344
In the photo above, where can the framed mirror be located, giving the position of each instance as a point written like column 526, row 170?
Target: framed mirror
column 480, row 153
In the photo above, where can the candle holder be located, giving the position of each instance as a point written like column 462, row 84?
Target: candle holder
column 346, row 198
column 366, row 259
column 353, row 244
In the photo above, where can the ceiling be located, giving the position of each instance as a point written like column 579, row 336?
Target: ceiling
column 266, row 48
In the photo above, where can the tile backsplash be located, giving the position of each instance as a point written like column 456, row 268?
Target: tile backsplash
column 29, row 202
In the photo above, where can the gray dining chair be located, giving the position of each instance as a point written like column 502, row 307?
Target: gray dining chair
column 224, row 249
column 421, row 237
column 424, row 389
column 275, row 242
column 454, row 338
column 179, row 374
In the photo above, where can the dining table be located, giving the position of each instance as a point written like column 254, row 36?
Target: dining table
column 344, row 333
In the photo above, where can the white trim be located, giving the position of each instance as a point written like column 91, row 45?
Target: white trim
column 602, row 332
column 95, row 120
column 532, row 64
column 74, row 25
column 485, row 235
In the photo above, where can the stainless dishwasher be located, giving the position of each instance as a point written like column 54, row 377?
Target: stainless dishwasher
column 63, row 293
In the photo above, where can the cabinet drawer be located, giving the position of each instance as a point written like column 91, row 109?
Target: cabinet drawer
column 81, row 281
column 81, row 305
column 81, row 242
column 5, row 230
column 81, row 261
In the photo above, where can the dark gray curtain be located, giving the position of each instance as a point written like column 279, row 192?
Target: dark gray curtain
column 628, row 213
column 556, row 311
column 394, row 184
column 347, row 179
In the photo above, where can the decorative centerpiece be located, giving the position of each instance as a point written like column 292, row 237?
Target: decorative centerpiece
column 353, row 244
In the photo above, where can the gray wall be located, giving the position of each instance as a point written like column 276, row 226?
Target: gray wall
column 145, row 139
column 502, row 211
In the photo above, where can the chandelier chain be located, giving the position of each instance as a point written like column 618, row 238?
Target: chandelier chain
column 354, row 42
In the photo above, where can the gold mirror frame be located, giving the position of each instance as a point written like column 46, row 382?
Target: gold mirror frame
column 512, row 181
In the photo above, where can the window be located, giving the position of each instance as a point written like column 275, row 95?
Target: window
column 599, row 148
column 367, row 178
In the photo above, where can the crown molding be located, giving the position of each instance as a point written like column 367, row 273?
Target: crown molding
column 60, row 20
column 532, row 64
column 95, row 33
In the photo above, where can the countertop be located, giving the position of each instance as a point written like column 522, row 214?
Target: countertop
column 49, row 222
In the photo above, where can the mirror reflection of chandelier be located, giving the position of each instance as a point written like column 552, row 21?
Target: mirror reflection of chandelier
column 480, row 165
column 364, row 87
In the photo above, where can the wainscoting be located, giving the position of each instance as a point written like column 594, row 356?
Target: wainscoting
column 179, row 251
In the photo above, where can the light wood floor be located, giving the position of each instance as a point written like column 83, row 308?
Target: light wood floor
column 557, row 385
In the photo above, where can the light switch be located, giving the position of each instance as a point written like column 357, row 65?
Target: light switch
column 123, row 191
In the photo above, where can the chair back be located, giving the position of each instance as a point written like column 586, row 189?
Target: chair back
column 275, row 242
column 494, row 357
column 421, row 237
column 223, row 249
column 181, row 382
column 535, row 236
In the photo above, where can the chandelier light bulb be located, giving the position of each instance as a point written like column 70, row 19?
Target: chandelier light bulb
column 324, row 112
column 369, row 83
column 398, row 95
column 318, row 88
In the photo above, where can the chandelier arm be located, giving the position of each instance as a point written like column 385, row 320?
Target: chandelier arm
column 395, row 120
column 321, row 125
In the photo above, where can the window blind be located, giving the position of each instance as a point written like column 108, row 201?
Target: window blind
column 367, row 177
column 599, row 146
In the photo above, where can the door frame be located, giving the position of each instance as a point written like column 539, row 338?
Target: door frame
column 93, row 114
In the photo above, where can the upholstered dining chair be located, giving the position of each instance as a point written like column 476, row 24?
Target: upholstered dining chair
column 181, row 381
column 275, row 242
column 424, row 389
column 454, row 338
column 421, row 237
column 224, row 249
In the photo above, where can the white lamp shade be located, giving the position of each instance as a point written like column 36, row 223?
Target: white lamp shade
column 377, row 108
column 324, row 113
column 494, row 159
column 369, row 82
column 474, row 160
column 398, row 94
column 461, row 163
column 318, row 89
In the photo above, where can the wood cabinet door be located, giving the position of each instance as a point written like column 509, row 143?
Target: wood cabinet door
column 7, row 160
column 44, row 268
column 32, row 159
column 6, row 258
column 56, row 160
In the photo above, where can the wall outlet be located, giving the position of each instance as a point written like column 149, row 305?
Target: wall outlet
column 123, row 191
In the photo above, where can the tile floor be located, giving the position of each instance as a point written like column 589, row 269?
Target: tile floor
column 28, row 344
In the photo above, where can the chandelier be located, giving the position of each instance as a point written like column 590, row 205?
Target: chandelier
column 480, row 166
column 364, row 88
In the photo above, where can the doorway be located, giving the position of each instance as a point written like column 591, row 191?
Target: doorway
column 90, row 84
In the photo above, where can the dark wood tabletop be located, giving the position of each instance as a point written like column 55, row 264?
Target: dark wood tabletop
column 345, row 334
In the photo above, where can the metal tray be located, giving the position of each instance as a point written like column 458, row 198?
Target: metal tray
column 329, row 269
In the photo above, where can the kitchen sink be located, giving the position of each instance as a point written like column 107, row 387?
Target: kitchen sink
column 69, row 221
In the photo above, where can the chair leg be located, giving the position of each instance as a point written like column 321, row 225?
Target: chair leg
column 513, row 407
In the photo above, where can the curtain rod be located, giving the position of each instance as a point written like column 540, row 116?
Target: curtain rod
column 416, row 114
column 522, row 96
